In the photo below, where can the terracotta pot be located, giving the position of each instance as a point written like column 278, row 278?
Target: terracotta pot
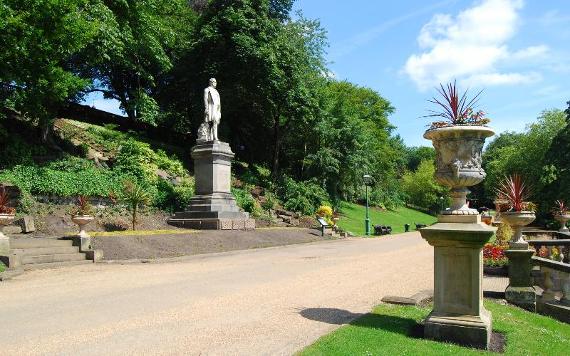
column 562, row 219
column 82, row 221
column 5, row 220
column 458, row 152
column 517, row 220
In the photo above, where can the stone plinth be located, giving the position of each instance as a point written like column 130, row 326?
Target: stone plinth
column 213, row 207
column 458, row 315
column 520, row 291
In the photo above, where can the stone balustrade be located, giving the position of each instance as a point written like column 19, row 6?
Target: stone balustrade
column 554, row 279
column 556, row 249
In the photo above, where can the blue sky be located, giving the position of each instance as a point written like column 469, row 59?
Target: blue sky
column 517, row 51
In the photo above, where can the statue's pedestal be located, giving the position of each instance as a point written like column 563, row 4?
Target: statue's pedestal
column 458, row 315
column 213, row 207
column 520, row 291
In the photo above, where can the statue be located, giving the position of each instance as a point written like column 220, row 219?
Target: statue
column 208, row 131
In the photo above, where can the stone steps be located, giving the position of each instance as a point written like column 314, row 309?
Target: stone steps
column 27, row 243
column 46, row 250
column 39, row 266
column 60, row 257
column 43, row 253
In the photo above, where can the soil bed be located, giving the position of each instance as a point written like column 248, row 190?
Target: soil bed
column 199, row 242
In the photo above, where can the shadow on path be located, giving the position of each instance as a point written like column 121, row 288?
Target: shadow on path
column 388, row 323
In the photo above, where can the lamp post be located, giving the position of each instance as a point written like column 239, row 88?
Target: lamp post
column 367, row 182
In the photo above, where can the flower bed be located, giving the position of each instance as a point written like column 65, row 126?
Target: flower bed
column 494, row 260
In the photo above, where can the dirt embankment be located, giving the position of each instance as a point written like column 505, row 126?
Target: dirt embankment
column 161, row 246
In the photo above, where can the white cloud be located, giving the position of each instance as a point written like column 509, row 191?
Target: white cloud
column 470, row 46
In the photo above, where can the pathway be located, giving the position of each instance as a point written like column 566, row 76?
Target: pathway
column 267, row 301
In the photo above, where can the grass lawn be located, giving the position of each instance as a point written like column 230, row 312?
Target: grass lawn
column 385, row 332
column 353, row 215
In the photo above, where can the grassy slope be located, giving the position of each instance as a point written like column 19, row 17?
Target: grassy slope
column 353, row 215
column 385, row 332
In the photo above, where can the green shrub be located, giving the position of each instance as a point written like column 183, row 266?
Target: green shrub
column 270, row 202
column 2, row 267
column 245, row 200
column 303, row 197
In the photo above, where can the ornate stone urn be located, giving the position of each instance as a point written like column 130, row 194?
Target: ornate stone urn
column 518, row 220
column 563, row 219
column 82, row 221
column 458, row 161
column 458, row 314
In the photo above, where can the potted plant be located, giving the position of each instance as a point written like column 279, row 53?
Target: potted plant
column 520, row 213
column 458, row 141
column 81, row 214
column 561, row 214
column 7, row 213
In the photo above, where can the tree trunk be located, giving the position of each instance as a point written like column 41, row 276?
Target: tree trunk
column 134, row 217
column 276, row 147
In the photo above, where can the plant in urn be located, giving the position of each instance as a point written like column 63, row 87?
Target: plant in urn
column 520, row 212
column 561, row 214
column 458, row 143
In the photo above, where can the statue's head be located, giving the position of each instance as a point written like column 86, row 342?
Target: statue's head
column 213, row 82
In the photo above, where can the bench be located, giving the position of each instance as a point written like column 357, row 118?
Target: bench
column 382, row 230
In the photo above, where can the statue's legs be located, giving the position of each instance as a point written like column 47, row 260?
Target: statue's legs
column 214, row 131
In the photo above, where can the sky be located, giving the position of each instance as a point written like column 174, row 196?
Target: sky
column 516, row 51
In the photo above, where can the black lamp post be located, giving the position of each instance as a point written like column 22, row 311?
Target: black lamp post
column 368, row 181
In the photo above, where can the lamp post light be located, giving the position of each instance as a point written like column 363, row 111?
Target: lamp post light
column 441, row 203
column 367, row 182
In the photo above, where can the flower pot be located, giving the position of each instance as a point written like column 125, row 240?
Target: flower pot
column 562, row 219
column 82, row 221
column 517, row 220
column 458, row 152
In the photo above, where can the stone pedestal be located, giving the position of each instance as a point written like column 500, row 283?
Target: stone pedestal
column 458, row 315
column 520, row 291
column 213, row 207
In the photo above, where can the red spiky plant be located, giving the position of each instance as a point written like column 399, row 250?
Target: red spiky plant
column 560, row 208
column 456, row 108
column 82, row 207
column 4, row 201
column 514, row 190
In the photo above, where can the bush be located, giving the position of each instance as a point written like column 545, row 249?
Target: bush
column 270, row 202
column 303, row 197
column 245, row 200
column 326, row 212
column 504, row 234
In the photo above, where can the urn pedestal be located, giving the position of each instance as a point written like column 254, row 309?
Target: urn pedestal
column 83, row 237
column 213, row 207
column 458, row 239
column 458, row 314
column 520, row 291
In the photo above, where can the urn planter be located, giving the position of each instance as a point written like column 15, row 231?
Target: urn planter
column 5, row 220
column 518, row 220
column 82, row 221
column 562, row 219
column 458, row 152
column 458, row 314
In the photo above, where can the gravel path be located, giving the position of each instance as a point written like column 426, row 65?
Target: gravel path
column 265, row 301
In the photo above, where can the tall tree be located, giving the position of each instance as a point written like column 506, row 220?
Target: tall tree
column 40, row 40
column 143, row 41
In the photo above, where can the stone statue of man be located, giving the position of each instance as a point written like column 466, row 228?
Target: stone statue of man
column 212, row 111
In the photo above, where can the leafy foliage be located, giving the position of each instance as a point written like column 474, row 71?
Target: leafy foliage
column 422, row 190
column 514, row 190
column 135, row 196
column 4, row 201
column 82, row 207
column 304, row 197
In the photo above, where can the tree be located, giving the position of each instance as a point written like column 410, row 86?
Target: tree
column 266, row 68
column 415, row 155
column 133, row 59
column 421, row 188
column 40, row 40
column 135, row 196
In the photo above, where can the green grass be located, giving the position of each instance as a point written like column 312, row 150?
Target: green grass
column 385, row 332
column 353, row 215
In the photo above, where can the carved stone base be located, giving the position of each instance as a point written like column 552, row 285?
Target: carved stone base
column 520, row 291
column 473, row 331
column 214, row 224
